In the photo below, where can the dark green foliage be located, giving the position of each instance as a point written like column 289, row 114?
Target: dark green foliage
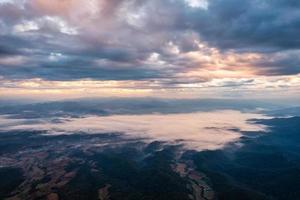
column 151, row 178
column 265, row 167
column 10, row 178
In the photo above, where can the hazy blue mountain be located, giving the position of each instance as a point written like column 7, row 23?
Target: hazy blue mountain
column 78, row 108
column 291, row 111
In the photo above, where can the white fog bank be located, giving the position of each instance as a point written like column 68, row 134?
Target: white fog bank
column 199, row 131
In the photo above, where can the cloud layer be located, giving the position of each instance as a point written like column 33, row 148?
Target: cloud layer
column 170, row 43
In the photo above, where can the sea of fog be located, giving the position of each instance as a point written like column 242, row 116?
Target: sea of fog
column 198, row 131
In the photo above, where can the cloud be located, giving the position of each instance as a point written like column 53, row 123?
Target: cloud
column 171, row 42
column 252, row 25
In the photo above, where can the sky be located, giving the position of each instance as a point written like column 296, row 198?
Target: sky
column 138, row 48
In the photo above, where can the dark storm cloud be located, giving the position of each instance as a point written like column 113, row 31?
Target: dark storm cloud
column 78, row 68
column 234, row 24
column 286, row 64
column 12, row 45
